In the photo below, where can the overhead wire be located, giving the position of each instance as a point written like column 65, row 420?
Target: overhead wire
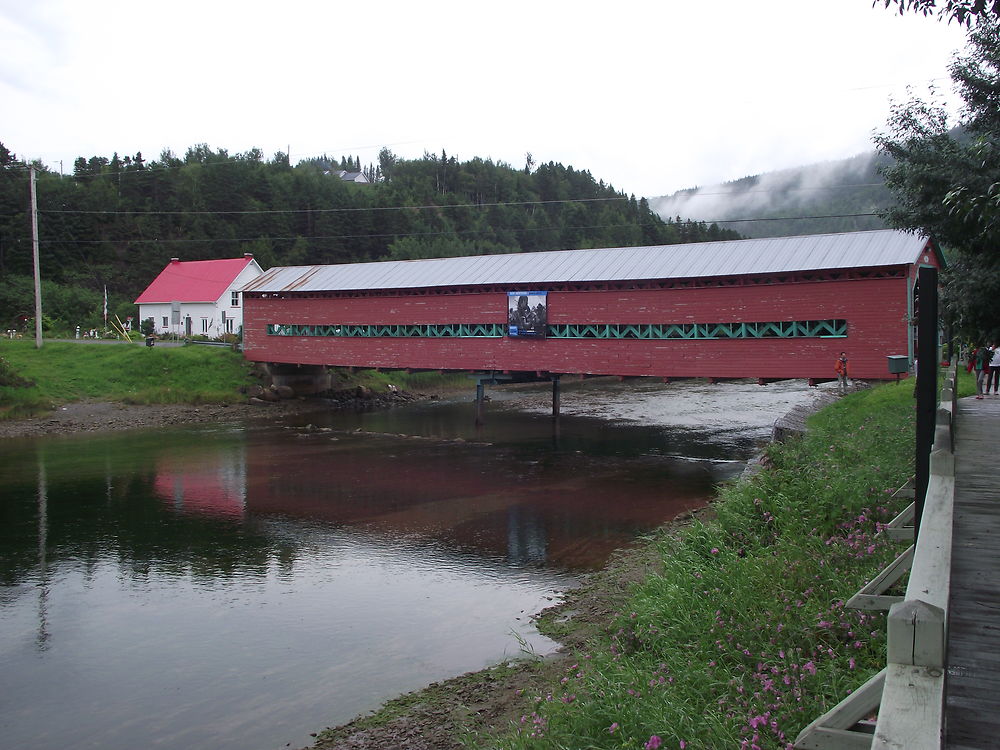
column 429, row 206
column 359, row 209
column 434, row 206
column 337, row 236
column 376, row 235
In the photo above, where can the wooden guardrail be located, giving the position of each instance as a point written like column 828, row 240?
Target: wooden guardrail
column 235, row 346
column 908, row 694
column 911, row 714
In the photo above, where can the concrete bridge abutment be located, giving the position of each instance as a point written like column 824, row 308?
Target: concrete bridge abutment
column 304, row 380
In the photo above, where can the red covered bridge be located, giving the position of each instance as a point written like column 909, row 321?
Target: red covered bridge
column 765, row 308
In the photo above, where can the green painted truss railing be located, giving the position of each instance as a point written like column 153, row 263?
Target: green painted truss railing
column 456, row 330
column 780, row 329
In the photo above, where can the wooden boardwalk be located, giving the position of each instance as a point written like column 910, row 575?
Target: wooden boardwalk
column 972, row 692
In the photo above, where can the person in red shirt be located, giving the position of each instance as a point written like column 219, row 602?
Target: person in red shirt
column 840, row 367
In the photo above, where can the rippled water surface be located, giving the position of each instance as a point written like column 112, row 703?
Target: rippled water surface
column 242, row 585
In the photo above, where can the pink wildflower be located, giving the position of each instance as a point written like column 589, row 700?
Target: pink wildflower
column 612, row 728
column 654, row 742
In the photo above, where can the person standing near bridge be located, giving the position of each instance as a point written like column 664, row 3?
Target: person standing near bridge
column 840, row 367
column 993, row 379
column 983, row 358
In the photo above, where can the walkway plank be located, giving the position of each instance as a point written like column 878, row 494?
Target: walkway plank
column 972, row 693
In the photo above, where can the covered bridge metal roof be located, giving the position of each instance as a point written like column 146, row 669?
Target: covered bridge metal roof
column 870, row 249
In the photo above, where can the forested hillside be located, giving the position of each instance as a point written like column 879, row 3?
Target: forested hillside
column 118, row 221
column 837, row 196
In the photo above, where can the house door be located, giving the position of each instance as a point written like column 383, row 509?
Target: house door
column 187, row 326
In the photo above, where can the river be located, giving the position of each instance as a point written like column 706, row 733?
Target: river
column 242, row 585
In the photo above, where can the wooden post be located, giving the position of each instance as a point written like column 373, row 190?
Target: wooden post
column 927, row 371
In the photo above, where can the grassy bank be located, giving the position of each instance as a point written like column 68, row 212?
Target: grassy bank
column 742, row 638
column 34, row 381
column 60, row 372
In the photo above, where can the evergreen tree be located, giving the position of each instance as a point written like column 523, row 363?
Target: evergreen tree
column 117, row 222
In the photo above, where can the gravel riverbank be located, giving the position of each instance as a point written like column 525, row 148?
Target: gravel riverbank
column 104, row 416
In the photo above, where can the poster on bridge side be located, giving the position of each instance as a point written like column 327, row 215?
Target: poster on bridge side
column 527, row 314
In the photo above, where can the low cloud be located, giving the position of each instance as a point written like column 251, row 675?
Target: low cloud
column 846, row 186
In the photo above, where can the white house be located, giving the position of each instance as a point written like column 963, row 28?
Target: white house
column 199, row 296
column 346, row 176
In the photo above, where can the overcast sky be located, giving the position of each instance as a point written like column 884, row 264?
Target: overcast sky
column 651, row 97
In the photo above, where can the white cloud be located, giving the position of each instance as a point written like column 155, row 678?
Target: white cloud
column 651, row 97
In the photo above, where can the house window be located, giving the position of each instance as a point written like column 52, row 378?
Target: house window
column 204, row 325
column 164, row 321
column 229, row 325
column 234, row 299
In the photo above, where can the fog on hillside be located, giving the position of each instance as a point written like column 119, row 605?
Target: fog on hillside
column 788, row 202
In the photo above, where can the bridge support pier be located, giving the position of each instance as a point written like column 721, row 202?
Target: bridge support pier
column 480, row 397
column 481, row 380
column 305, row 380
column 494, row 379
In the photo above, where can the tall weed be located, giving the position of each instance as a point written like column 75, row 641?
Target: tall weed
column 743, row 639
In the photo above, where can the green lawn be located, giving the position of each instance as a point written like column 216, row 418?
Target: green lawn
column 132, row 373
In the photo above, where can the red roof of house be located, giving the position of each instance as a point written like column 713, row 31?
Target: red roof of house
column 193, row 280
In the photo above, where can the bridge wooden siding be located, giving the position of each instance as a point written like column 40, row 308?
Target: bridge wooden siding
column 874, row 301
column 874, row 308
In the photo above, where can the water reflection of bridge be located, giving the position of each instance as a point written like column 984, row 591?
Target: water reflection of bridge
column 212, row 484
column 567, row 513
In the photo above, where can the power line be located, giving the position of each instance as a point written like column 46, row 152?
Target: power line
column 696, row 193
column 270, row 238
column 346, row 236
column 431, row 206
column 787, row 218
column 435, row 206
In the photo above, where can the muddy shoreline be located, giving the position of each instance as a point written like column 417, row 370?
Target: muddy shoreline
column 488, row 702
column 107, row 416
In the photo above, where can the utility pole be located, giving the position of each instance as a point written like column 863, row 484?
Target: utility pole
column 34, row 255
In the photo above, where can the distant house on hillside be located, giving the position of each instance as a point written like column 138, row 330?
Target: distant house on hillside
column 198, row 296
column 346, row 176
